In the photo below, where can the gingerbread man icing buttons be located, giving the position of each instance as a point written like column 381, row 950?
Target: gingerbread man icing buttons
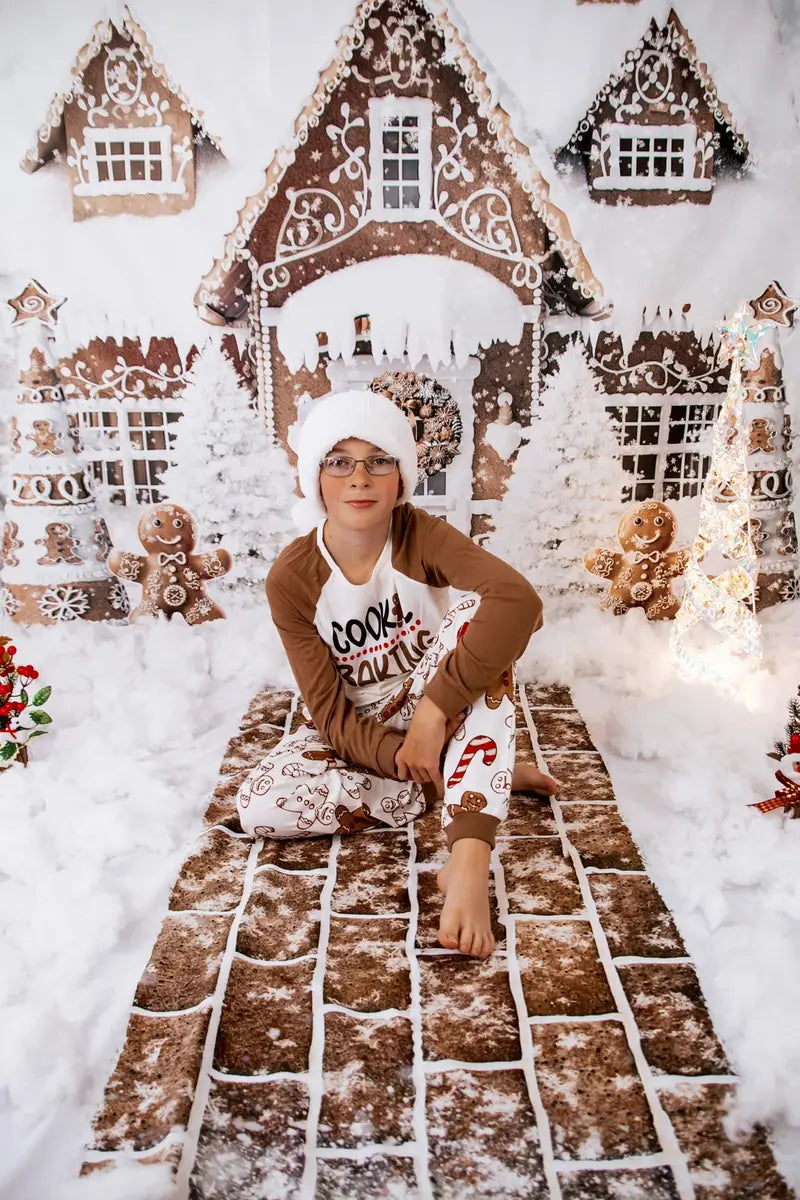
column 171, row 576
column 641, row 576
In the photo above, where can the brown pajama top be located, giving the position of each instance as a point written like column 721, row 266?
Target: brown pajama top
column 351, row 646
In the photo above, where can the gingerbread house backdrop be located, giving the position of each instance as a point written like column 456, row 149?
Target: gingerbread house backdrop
column 428, row 199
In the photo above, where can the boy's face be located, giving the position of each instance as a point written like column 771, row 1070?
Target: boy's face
column 359, row 501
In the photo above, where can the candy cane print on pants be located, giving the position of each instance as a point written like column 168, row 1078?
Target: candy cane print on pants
column 485, row 746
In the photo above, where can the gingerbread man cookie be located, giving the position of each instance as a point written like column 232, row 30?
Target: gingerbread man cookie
column 641, row 576
column 172, row 578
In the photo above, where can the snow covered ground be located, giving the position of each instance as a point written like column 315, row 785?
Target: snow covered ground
column 95, row 829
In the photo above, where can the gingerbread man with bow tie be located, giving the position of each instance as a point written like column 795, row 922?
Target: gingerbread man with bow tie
column 171, row 576
column 641, row 576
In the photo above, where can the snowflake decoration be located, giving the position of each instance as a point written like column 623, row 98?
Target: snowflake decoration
column 10, row 604
column 119, row 597
column 790, row 590
column 63, row 603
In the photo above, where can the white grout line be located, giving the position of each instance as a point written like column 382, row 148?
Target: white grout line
column 229, row 1077
column 343, row 916
column 171, row 1012
column 274, row 962
column 286, row 871
column 386, row 1014
column 528, row 1062
column 173, row 1138
column 663, row 1125
column 362, row 1153
column 640, row 1161
column 203, row 1083
column 438, row 1066
column 202, row 1087
column 241, row 837
column 419, row 1115
column 308, row 1183
column 436, row 952
column 200, row 912
column 630, row 960
column 542, row 765
column 528, row 918
column 590, row 803
column 583, row 1018
column 670, row 1081
column 614, row 871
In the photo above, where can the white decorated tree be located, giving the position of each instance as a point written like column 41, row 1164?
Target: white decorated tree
column 231, row 477
column 565, row 495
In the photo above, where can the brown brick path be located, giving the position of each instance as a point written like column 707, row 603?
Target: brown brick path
column 299, row 1032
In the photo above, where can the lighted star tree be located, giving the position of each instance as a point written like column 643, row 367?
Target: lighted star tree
column 720, row 591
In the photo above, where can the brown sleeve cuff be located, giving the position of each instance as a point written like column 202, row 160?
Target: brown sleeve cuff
column 445, row 696
column 389, row 744
column 471, row 825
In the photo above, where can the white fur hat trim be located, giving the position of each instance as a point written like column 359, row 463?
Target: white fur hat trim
column 357, row 414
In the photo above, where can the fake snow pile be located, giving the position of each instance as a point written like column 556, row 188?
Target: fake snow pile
column 417, row 304
column 95, row 829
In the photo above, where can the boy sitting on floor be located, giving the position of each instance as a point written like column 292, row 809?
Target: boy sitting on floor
column 406, row 693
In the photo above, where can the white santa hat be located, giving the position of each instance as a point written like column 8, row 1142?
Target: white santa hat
column 339, row 415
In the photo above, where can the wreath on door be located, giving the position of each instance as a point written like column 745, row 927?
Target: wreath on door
column 432, row 413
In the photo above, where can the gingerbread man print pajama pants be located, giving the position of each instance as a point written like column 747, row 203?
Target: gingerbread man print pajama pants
column 303, row 789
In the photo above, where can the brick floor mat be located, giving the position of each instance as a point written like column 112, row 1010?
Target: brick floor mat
column 299, row 1032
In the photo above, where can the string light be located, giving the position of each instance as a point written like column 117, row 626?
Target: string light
column 723, row 603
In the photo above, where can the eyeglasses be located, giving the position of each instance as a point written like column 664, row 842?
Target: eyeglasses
column 341, row 465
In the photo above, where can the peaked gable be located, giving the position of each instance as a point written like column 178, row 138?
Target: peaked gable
column 385, row 45
column 663, row 105
column 50, row 136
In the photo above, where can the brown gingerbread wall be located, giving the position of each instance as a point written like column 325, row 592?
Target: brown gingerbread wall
column 107, row 114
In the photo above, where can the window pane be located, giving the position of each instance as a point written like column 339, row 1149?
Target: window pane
column 102, row 171
column 409, row 141
column 410, row 168
column 118, row 169
column 409, row 120
column 137, row 169
column 626, row 143
column 676, row 166
column 117, row 148
column 410, row 197
column 677, row 145
column 677, row 424
column 137, row 147
column 391, row 168
column 156, row 439
column 625, row 166
column 391, row 197
column 659, row 166
column 660, row 144
column 391, row 142
column 642, row 166
column 155, row 149
column 100, row 148
column 642, row 143
column 437, row 484
column 155, row 171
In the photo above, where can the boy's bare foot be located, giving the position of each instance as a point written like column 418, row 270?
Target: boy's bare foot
column 528, row 778
column 465, row 924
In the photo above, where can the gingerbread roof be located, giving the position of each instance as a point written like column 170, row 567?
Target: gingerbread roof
column 675, row 35
column 517, row 152
column 49, row 136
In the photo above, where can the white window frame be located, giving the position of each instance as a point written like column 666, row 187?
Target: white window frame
column 118, row 448
column 651, row 486
column 94, row 186
column 380, row 113
column 613, row 135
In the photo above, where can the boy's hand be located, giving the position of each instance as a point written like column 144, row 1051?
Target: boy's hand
column 420, row 756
